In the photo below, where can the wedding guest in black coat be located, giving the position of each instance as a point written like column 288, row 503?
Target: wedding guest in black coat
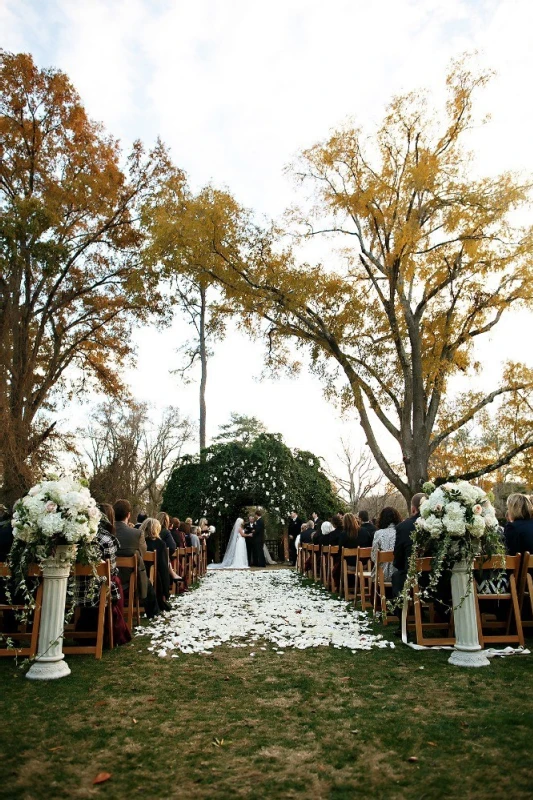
column 306, row 536
column 367, row 527
column 404, row 545
column 518, row 532
column 317, row 521
column 295, row 524
column 337, row 534
column 151, row 528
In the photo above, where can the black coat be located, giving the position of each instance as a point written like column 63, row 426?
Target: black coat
column 519, row 536
column 168, row 539
column 307, row 536
column 6, row 539
column 404, row 544
column 369, row 531
column 295, row 526
column 163, row 575
column 259, row 530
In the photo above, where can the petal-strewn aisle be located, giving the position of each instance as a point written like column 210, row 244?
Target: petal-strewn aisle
column 253, row 609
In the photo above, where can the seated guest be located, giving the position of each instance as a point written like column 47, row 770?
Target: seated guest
column 335, row 536
column 403, row 545
column 87, row 587
column 165, row 534
column 131, row 542
column 349, row 539
column 367, row 528
column 151, row 529
column 306, row 536
column 174, row 530
column 185, row 529
column 385, row 538
column 195, row 539
column 140, row 520
column 321, row 537
column 518, row 532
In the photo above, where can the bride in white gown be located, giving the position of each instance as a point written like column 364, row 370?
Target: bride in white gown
column 235, row 556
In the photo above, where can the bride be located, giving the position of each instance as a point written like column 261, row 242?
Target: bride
column 235, row 556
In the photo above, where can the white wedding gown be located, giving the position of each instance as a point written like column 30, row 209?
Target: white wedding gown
column 235, row 556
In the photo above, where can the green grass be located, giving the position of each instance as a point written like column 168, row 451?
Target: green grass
column 319, row 723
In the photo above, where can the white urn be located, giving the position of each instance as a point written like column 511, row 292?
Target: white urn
column 50, row 661
column 467, row 651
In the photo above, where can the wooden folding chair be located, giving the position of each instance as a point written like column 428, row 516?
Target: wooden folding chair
column 129, row 588
column 381, row 585
column 315, row 556
column 324, row 566
column 103, row 570
column 424, row 565
column 31, row 636
column 332, row 567
column 512, row 566
column 348, row 570
column 300, row 561
column 204, row 557
column 150, row 563
column 525, row 590
column 363, row 588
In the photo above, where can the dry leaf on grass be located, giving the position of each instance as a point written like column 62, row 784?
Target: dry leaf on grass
column 102, row 777
column 134, row 721
column 53, row 749
column 432, row 744
column 412, row 759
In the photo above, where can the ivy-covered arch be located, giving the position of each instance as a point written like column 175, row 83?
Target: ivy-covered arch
column 264, row 473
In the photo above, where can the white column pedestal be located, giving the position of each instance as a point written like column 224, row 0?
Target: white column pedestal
column 50, row 662
column 467, row 651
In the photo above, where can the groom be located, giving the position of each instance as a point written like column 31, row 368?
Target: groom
column 258, row 540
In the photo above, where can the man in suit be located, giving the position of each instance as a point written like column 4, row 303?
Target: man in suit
column 404, row 545
column 258, row 540
column 131, row 541
column 248, row 533
column 295, row 525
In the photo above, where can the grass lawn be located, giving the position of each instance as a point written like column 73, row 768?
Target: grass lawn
column 319, row 723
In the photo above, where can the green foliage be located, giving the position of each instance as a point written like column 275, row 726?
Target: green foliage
column 235, row 475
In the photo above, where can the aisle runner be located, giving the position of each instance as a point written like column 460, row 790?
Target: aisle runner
column 249, row 609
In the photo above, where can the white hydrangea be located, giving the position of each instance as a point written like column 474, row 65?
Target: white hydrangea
column 455, row 510
column 51, row 524
column 454, row 525
column 433, row 525
column 477, row 527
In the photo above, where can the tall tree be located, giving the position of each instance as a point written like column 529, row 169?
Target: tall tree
column 359, row 477
column 130, row 456
column 241, row 429
column 71, row 281
column 433, row 261
column 181, row 228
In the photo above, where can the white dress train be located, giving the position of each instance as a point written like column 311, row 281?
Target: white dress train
column 235, row 556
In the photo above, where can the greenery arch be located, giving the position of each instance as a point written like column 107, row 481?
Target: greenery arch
column 263, row 473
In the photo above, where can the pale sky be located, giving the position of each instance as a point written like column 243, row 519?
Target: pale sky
column 236, row 88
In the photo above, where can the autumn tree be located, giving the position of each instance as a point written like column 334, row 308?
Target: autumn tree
column 131, row 451
column 432, row 260
column 71, row 281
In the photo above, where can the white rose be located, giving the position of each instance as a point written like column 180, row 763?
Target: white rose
column 50, row 507
column 477, row 509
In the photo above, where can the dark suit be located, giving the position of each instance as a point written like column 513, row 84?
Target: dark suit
column 519, row 536
column 402, row 552
column 258, row 540
column 295, row 526
column 307, row 536
column 369, row 530
column 132, row 542
column 249, row 530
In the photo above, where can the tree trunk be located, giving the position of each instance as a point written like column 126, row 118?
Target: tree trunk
column 203, row 362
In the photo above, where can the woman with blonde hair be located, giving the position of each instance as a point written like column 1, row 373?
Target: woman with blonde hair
column 152, row 530
column 165, row 534
column 518, row 532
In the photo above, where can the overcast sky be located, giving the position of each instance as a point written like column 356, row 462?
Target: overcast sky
column 236, row 88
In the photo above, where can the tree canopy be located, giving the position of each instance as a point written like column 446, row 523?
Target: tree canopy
column 432, row 260
column 71, row 279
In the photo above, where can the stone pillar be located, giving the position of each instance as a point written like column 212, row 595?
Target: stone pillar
column 50, row 662
column 467, row 651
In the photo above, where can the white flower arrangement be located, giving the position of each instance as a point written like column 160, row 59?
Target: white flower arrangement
column 56, row 512
column 457, row 523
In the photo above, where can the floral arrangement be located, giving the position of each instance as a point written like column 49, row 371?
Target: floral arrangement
column 56, row 512
column 457, row 523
